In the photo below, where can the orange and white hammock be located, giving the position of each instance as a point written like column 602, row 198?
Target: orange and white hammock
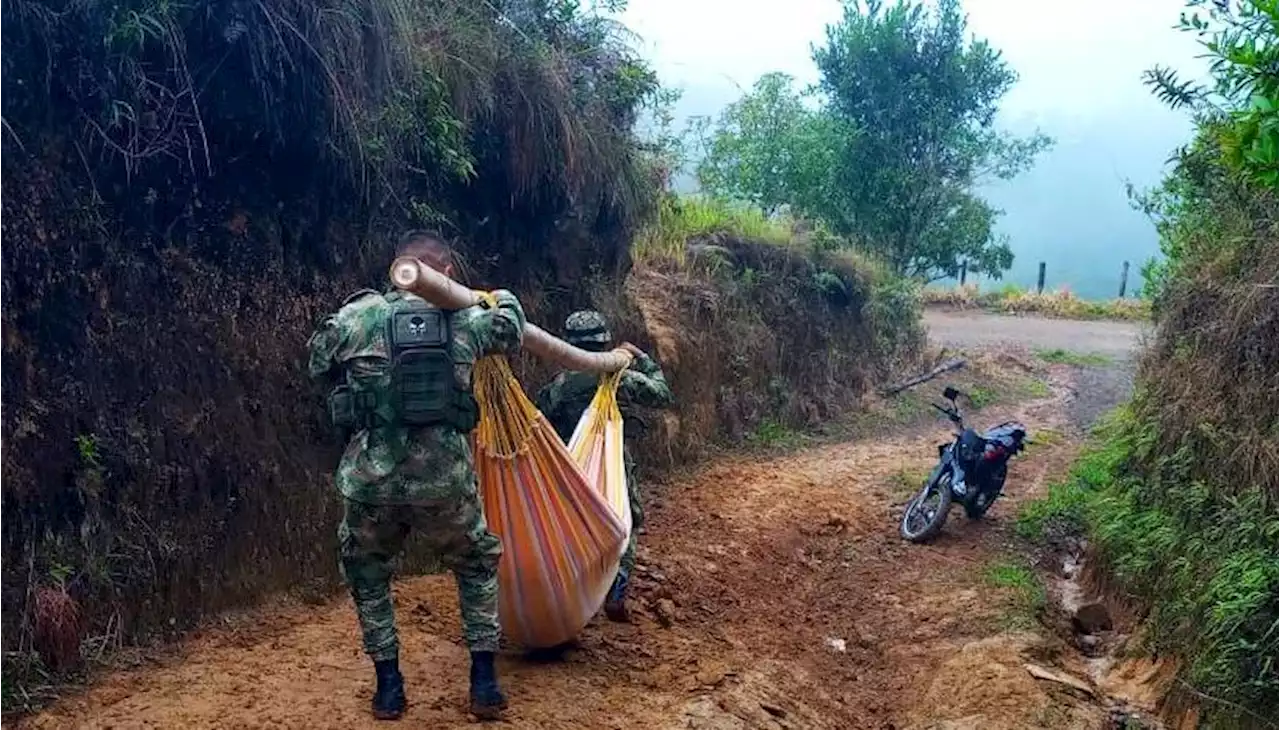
column 562, row 513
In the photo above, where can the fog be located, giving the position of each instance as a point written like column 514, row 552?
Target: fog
column 1080, row 69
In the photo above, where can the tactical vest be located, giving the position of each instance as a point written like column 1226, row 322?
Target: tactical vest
column 417, row 386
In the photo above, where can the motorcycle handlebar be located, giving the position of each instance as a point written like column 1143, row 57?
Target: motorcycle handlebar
column 950, row 413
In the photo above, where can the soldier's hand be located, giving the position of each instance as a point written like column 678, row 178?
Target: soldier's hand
column 635, row 351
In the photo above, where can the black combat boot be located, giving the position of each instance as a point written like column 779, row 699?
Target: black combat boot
column 615, row 605
column 388, row 698
column 487, row 700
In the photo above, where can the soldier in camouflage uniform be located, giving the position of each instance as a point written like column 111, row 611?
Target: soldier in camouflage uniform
column 567, row 396
column 395, row 477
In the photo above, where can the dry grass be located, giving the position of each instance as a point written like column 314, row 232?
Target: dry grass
column 724, row 322
column 1210, row 373
column 57, row 628
column 1061, row 304
column 188, row 187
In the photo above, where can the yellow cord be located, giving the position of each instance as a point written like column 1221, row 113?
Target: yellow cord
column 507, row 416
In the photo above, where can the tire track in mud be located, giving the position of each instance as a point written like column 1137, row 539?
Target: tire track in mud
column 773, row 592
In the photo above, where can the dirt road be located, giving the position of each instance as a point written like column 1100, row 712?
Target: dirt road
column 773, row 592
column 1095, row 388
column 1116, row 340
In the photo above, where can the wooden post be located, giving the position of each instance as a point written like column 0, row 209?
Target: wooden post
column 1124, row 278
column 1040, row 280
column 964, row 269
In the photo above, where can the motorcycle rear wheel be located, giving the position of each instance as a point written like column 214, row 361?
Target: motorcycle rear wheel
column 922, row 520
column 982, row 501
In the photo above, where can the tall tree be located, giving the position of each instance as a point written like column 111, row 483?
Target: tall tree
column 923, row 99
column 770, row 148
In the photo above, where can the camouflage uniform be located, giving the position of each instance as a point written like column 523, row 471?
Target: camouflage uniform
column 567, row 396
column 394, row 478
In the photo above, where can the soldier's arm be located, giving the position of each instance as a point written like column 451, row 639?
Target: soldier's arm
column 548, row 396
column 644, row 384
column 498, row 328
column 322, row 348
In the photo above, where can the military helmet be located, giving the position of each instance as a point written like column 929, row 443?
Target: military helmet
column 587, row 327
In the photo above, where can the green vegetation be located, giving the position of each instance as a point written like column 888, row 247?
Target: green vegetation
column 1026, row 596
column 981, row 396
column 1064, row 511
column 1078, row 359
column 441, row 113
column 681, row 220
column 1178, row 491
column 1204, row 560
column 770, row 149
column 893, row 173
column 1037, row 388
column 1045, row 438
column 1063, row 304
column 907, row 481
column 772, row 434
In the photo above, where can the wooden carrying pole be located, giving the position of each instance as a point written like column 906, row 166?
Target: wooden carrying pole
column 411, row 275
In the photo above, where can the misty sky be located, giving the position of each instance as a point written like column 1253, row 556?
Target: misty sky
column 1080, row 68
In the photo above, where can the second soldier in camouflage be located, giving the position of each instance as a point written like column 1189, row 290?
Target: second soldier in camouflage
column 567, row 396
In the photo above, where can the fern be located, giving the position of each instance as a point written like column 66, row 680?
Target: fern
column 1171, row 90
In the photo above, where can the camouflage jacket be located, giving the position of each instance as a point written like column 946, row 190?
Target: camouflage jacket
column 564, row 399
column 397, row 464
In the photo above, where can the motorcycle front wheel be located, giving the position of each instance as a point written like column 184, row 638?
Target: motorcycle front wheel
column 926, row 513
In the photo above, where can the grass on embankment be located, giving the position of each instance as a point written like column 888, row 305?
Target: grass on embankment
column 1020, row 591
column 1061, row 304
column 1199, row 558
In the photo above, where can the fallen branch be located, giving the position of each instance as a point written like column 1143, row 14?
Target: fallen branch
column 946, row 367
column 1064, row 679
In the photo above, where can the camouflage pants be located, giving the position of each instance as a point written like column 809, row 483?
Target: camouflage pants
column 371, row 536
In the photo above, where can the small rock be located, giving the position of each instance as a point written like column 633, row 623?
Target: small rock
column 1091, row 618
column 712, row 675
column 773, row 710
column 666, row 611
column 864, row 638
column 1122, row 719
column 837, row 645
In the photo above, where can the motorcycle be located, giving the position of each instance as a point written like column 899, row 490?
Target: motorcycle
column 971, row 471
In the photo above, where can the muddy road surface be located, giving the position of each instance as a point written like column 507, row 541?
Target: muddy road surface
column 773, row 592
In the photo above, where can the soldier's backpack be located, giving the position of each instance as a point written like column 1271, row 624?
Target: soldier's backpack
column 417, row 385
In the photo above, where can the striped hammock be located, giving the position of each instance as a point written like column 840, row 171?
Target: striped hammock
column 562, row 513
